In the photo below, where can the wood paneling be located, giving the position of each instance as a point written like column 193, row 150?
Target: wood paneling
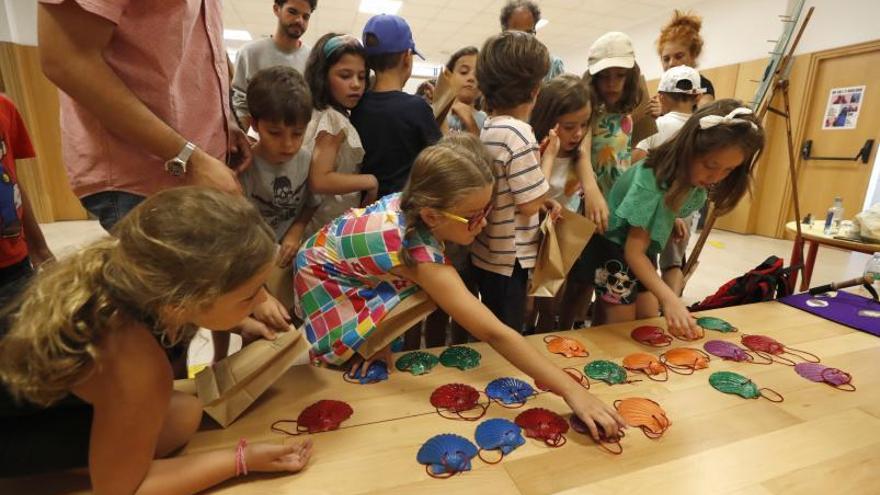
column 44, row 177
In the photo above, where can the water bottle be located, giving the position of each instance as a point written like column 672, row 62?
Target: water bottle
column 838, row 214
column 873, row 269
column 834, row 216
column 695, row 222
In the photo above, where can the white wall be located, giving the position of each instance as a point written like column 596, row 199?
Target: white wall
column 737, row 31
column 18, row 21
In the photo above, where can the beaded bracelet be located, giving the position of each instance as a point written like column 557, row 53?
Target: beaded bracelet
column 240, row 465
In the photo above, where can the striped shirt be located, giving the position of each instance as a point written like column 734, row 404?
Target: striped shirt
column 509, row 236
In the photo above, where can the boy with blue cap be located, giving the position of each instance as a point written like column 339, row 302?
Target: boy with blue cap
column 393, row 126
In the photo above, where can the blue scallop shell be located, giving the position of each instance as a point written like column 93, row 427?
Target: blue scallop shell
column 500, row 434
column 447, row 453
column 377, row 372
column 509, row 390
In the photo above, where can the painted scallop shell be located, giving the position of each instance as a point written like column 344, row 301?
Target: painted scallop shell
column 715, row 324
column 461, row 357
column 727, row 350
column 509, row 391
column 446, row 455
column 820, row 373
column 565, row 346
column 498, row 434
column 544, row 425
column 644, row 414
column 324, row 415
column 651, row 335
column 417, row 362
column 457, row 398
column 607, row 371
column 377, row 372
column 685, row 358
column 648, row 364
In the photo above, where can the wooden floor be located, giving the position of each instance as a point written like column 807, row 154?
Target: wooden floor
column 819, row 440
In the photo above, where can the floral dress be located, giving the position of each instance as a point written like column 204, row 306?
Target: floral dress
column 611, row 152
column 343, row 282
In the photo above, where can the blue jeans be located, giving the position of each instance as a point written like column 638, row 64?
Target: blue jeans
column 110, row 206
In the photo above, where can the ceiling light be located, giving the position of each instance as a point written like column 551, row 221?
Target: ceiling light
column 237, row 35
column 380, row 6
column 541, row 23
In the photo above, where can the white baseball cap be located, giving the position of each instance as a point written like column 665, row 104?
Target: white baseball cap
column 612, row 49
column 681, row 79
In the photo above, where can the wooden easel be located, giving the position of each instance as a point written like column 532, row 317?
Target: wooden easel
column 779, row 84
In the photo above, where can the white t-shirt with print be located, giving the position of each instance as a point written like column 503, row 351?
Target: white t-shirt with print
column 280, row 192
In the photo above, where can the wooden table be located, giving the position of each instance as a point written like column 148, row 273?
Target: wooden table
column 814, row 236
column 819, row 440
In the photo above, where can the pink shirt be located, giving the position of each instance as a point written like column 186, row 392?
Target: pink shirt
column 170, row 54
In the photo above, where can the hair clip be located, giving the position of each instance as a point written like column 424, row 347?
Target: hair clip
column 710, row 121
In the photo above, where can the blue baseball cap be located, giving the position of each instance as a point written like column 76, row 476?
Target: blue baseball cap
column 393, row 34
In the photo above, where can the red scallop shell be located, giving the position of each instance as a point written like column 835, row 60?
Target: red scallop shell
column 763, row 343
column 651, row 335
column 324, row 415
column 455, row 397
column 543, row 424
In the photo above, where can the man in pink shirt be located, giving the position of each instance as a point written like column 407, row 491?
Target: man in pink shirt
column 144, row 98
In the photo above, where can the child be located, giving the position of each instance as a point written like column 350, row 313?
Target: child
column 680, row 43
column 678, row 92
column 614, row 76
column 337, row 75
column 86, row 348
column 561, row 121
column 276, row 183
column 715, row 150
column 463, row 117
column 393, row 126
column 22, row 246
column 510, row 68
column 356, row 269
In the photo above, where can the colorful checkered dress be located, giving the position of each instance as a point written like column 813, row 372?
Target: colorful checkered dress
column 343, row 283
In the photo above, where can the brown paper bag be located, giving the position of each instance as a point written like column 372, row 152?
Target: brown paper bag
column 230, row 386
column 561, row 245
column 444, row 96
column 401, row 318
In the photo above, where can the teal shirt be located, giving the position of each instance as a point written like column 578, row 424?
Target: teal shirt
column 636, row 200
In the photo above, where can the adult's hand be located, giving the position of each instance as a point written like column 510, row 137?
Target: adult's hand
column 205, row 170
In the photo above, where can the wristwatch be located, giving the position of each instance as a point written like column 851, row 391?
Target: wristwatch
column 177, row 165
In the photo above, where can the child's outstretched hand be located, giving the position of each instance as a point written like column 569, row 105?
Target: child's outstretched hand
column 271, row 312
column 269, row 458
column 290, row 244
column 596, row 208
column 679, row 321
column 593, row 412
column 360, row 364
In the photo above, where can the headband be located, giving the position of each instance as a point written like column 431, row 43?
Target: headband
column 710, row 121
column 336, row 42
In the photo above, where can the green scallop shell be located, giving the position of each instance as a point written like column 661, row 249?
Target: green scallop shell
column 734, row 383
column 416, row 362
column 607, row 371
column 716, row 324
column 461, row 357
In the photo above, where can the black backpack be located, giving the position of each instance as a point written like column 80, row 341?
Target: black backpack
column 767, row 281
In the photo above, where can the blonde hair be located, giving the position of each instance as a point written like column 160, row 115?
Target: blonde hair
column 181, row 248
column 684, row 28
column 441, row 176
